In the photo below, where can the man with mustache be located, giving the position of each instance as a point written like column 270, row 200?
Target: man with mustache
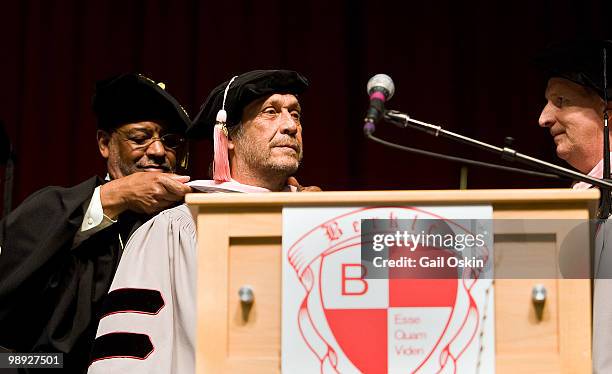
column 61, row 247
column 255, row 120
column 264, row 139
column 574, row 112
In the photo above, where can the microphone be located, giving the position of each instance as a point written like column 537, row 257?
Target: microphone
column 380, row 89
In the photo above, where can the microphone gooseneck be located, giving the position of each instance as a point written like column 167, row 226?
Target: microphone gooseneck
column 403, row 120
column 461, row 160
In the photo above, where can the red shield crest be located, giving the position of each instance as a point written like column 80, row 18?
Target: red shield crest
column 394, row 324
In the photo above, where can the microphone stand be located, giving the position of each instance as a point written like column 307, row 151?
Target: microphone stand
column 403, row 120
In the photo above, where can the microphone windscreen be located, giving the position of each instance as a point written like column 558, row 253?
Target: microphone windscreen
column 381, row 81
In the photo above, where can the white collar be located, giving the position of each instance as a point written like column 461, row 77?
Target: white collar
column 596, row 172
column 209, row 185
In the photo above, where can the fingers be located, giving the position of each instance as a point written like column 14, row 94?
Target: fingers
column 143, row 193
column 291, row 181
column 179, row 178
column 175, row 186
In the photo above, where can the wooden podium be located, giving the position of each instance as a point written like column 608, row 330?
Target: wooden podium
column 239, row 238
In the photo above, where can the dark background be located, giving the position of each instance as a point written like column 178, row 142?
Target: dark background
column 462, row 64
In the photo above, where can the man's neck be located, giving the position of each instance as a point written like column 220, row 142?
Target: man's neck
column 272, row 183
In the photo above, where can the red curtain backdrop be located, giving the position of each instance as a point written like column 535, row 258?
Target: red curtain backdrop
column 462, row 64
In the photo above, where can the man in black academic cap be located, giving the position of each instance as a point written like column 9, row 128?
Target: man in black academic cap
column 576, row 102
column 61, row 247
column 255, row 119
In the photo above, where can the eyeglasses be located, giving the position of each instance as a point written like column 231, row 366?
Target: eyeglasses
column 143, row 141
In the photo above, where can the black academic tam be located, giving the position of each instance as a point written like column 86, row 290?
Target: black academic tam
column 242, row 91
column 579, row 61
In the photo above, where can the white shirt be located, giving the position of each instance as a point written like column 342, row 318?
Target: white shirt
column 94, row 219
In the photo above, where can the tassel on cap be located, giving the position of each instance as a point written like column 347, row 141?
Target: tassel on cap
column 221, row 168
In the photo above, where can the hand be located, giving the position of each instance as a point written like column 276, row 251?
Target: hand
column 144, row 192
column 293, row 182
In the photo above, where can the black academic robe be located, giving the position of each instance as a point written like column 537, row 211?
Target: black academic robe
column 50, row 293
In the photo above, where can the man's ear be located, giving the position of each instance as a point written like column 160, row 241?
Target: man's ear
column 104, row 139
column 231, row 135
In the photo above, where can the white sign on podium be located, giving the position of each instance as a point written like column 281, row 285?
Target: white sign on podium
column 336, row 320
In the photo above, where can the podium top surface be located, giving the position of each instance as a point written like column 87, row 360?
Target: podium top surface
column 509, row 196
